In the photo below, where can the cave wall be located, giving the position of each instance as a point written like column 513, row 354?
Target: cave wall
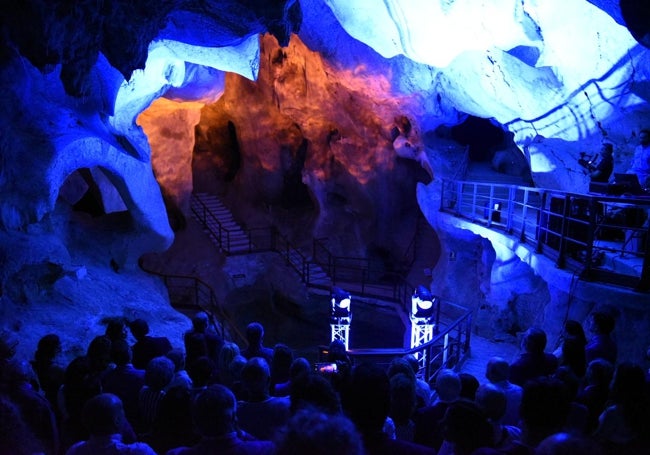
column 307, row 126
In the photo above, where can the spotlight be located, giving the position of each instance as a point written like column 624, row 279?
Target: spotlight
column 421, row 303
column 340, row 303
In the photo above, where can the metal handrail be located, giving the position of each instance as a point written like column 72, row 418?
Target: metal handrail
column 190, row 292
column 566, row 227
column 447, row 349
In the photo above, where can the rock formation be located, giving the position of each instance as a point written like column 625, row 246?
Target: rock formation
column 286, row 107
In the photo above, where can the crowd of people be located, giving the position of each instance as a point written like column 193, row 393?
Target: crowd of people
column 212, row 396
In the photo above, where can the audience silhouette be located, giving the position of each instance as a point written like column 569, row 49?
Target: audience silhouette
column 146, row 347
column 103, row 415
column 224, row 403
column 255, row 339
column 214, row 412
column 533, row 362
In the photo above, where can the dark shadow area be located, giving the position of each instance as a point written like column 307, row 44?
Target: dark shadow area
column 481, row 135
column 636, row 14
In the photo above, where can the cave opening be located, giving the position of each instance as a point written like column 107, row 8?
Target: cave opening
column 88, row 191
column 482, row 137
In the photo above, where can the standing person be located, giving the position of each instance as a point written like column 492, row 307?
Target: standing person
column 601, row 345
column 571, row 351
column 255, row 339
column 50, row 374
column 641, row 160
column 533, row 362
column 201, row 340
column 103, row 415
column 605, row 166
column 146, row 347
column 124, row 381
column 260, row 415
column 498, row 372
column 214, row 413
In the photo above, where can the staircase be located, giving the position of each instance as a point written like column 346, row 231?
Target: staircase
column 231, row 239
column 219, row 224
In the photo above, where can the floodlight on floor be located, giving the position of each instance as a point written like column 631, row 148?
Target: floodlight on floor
column 422, row 321
column 340, row 315
column 422, row 307
column 341, row 301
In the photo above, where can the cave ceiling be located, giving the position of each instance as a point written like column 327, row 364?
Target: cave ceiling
column 560, row 75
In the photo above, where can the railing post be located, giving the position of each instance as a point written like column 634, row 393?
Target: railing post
column 543, row 219
column 524, row 214
column 511, row 208
column 459, row 197
column 644, row 280
column 590, row 236
column 566, row 212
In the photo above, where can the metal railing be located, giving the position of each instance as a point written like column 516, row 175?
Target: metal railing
column 191, row 293
column 588, row 234
column 447, row 349
column 365, row 277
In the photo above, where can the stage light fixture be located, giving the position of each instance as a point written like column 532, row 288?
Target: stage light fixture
column 422, row 303
column 341, row 301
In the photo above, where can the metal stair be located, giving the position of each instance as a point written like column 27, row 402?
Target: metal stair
column 220, row 225
column 216, row 218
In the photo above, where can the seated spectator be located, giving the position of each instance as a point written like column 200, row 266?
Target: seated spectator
column 533, row 362
column 338, row 354
column 201, row 373
column 316, row 433
column 124, row 381
column 366, row 401
column 280, row 366
column 568, row 444
column 34, row 408
column 468, row 386
column 498, row 372
column 157, row 377
column 255, row 339
column 49, row 373
column 172, row 427
column 624, row 426
column 201, row 340
column 313, row 391
column 601, row 345
column 596, row 391
column 146, row 347
column 16, row 438
column 260, row 414
column 227, row 353
column 299, row 367
column 103, row 416
column 98, row 356
column 181, row 377
column 214, row 413
column 235, row 369
column 572, row 348
column 544, row 409
column 492, row 400
column 402, row 405
column 79, row 385
column 578, row 416
column 428, row 420
column 400, row 414
column 466, row 428
column 422, row 388
column 116, row 329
